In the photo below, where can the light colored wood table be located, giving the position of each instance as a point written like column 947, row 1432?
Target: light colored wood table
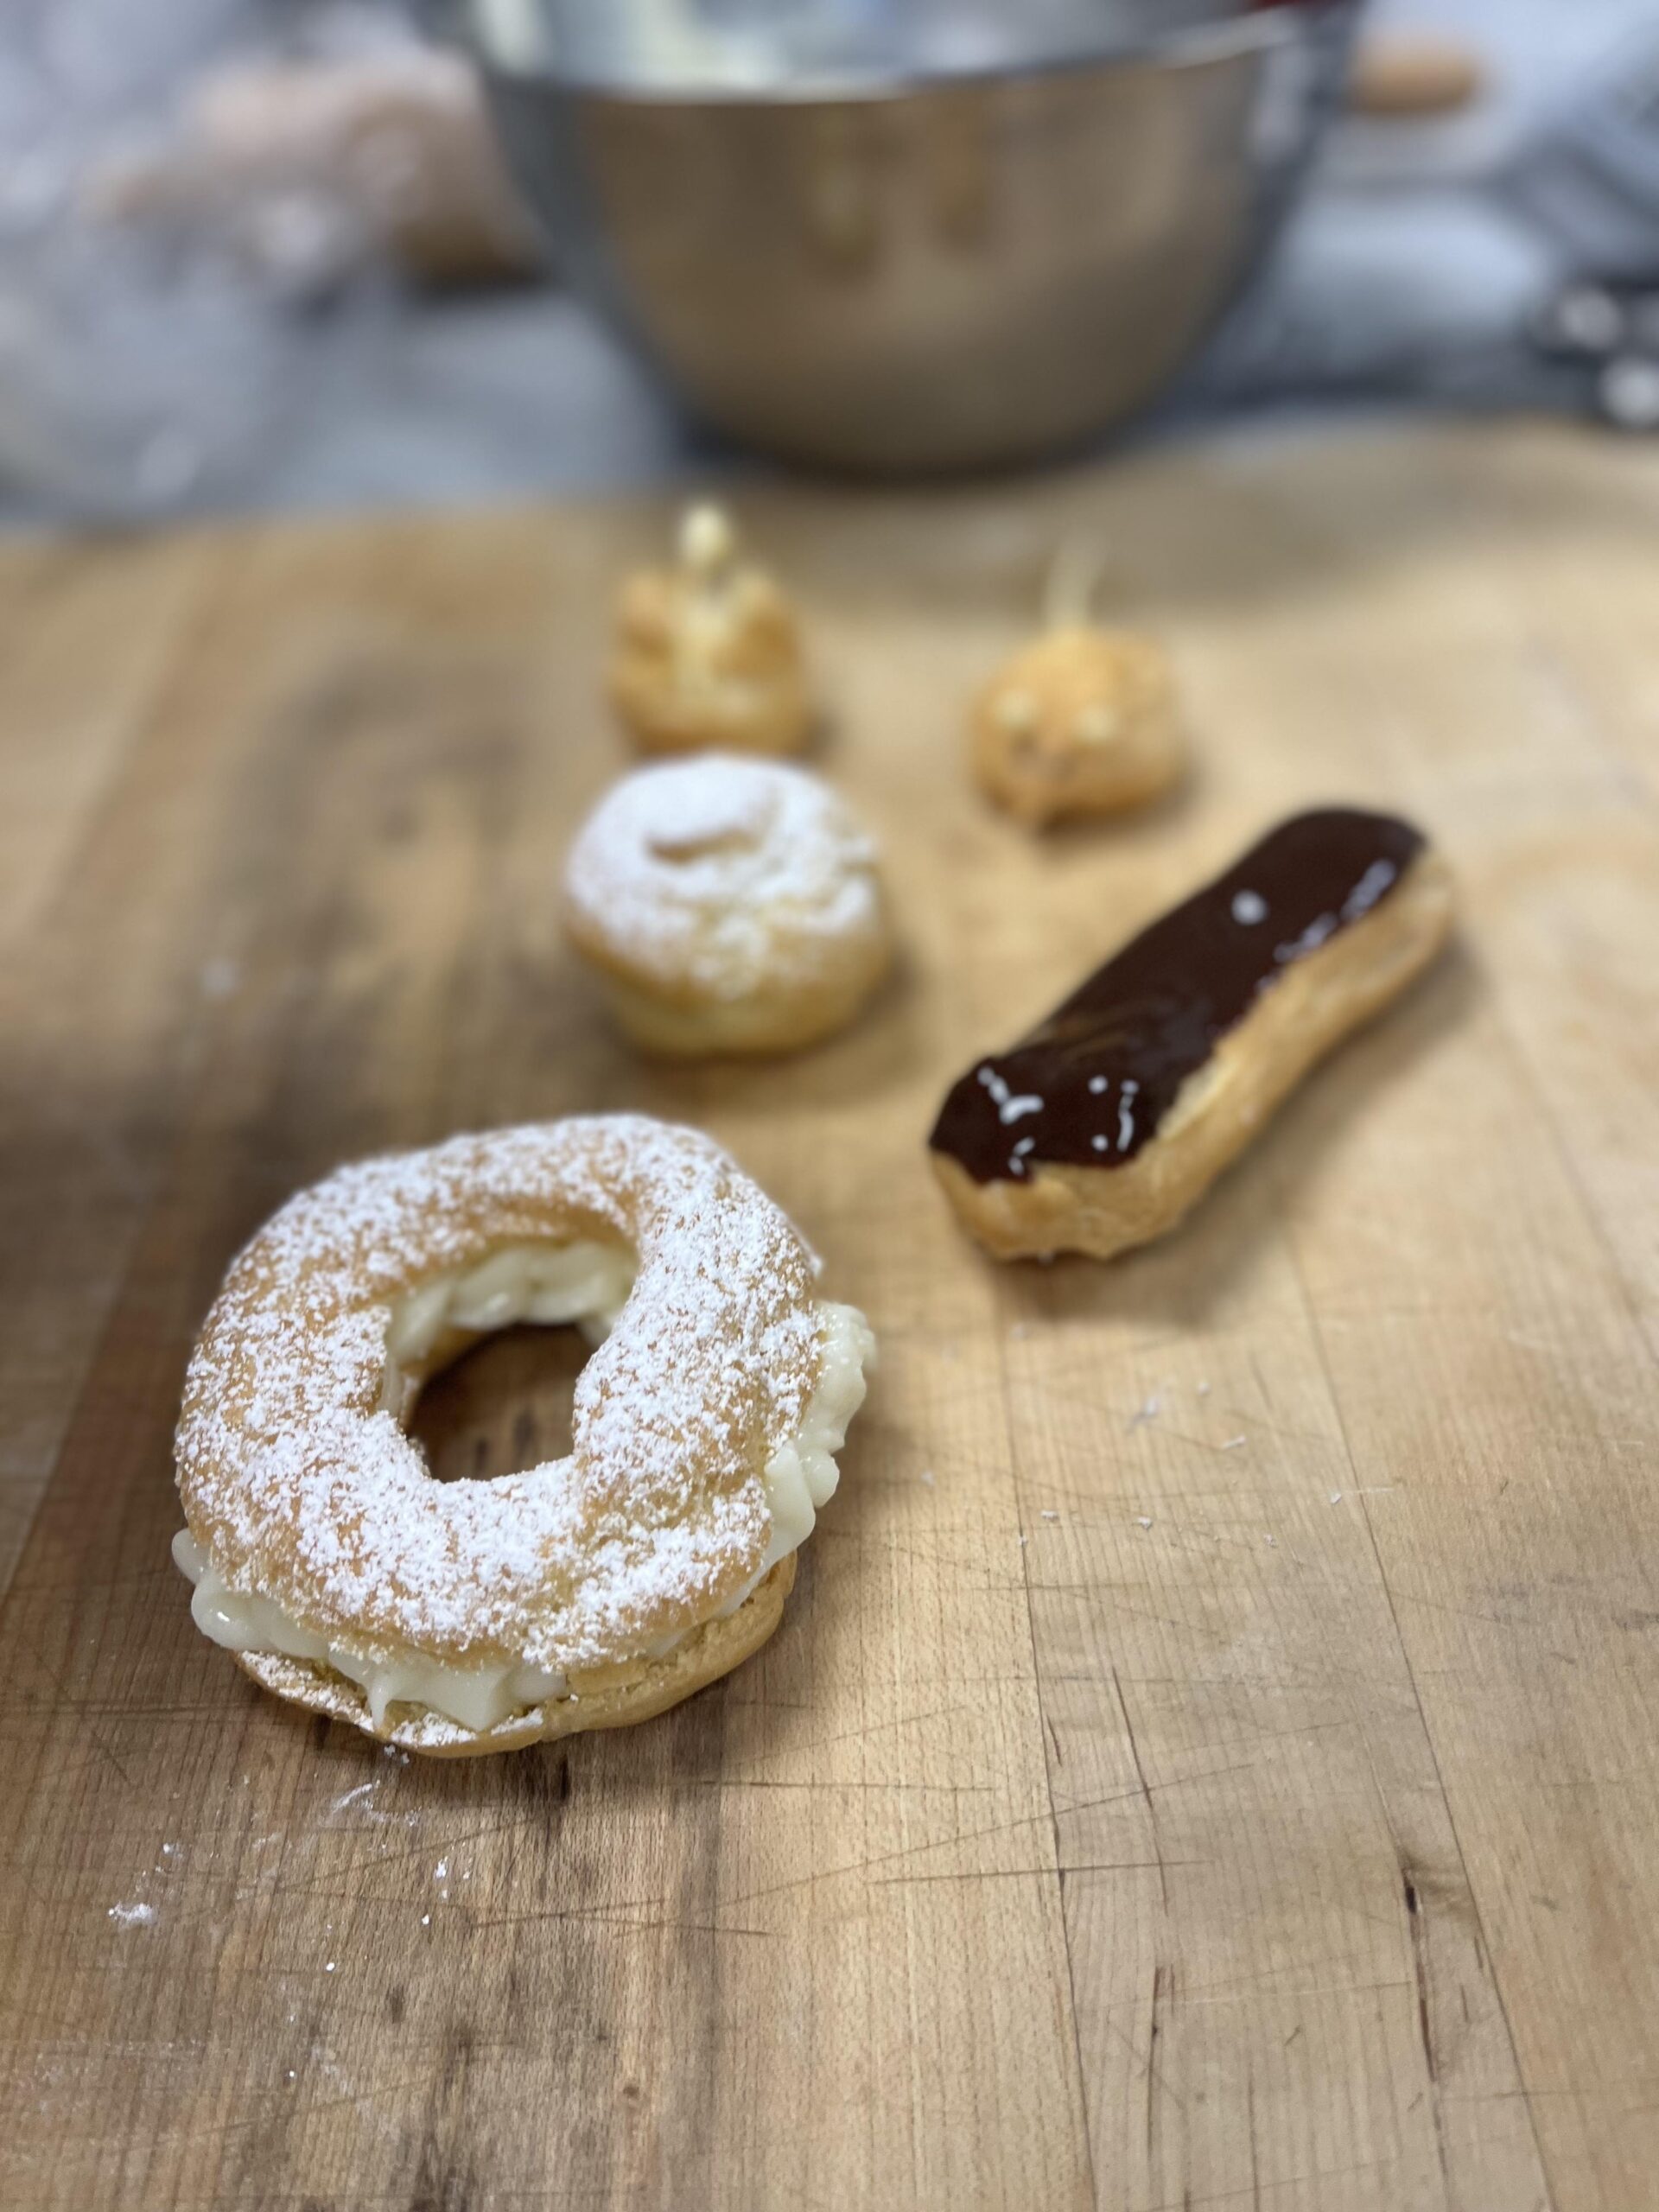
column 1208, row 1758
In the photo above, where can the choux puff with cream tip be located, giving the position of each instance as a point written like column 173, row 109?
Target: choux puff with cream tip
column 709, row 652
column 467, row 1617
column 728, row 905
column 1082, row 720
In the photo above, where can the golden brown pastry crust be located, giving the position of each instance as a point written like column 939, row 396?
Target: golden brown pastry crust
column 709, row 654
column 711, row 1652
column 1080, row 721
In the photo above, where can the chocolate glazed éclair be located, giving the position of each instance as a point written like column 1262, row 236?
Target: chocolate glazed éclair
column 1090, row 1084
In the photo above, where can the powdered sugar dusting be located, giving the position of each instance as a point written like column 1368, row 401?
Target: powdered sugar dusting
column 721, row 872
column 301, row 1488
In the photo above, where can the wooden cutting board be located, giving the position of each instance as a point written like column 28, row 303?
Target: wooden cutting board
column 1208, row 1758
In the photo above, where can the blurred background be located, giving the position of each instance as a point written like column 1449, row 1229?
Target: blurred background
column 298, row 253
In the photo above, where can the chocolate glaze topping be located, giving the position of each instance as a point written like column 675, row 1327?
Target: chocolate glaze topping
column 1090, row 1086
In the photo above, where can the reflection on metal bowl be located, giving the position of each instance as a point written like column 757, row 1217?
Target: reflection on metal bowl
column 891, row 236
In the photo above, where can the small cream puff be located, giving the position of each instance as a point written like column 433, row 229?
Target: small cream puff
column 1081, row 720
column 708, row 654
column 731, row 906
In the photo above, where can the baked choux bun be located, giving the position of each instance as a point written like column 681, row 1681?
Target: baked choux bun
column 1082, row 720
column 457, row 1617
column 709, row 654
column 730, row 906
column 1099, row 1129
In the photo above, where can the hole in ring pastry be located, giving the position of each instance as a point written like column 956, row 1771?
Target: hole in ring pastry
column 730, row 906
column 589, row 1593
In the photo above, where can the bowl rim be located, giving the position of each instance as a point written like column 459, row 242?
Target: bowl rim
column 464, row 23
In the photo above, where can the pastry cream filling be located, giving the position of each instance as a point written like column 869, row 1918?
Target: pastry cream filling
column 586, row 1284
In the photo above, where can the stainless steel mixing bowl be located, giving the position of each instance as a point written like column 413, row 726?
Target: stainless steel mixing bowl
column 908, row 235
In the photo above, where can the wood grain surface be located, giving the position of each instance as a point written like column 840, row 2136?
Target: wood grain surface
column 1209, row 1758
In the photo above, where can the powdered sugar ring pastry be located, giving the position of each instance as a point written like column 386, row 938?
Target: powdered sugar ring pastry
column 731, row 905
column 476, row 1616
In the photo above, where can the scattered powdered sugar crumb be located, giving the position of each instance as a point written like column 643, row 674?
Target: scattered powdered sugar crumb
column 1149, row 1411
column 426, row 1920
column 715, row 870
column 329, row 1967
column 1049, row 1513
column 661, row 1510
column 1204, row 1389
column 132, row 1916
column 1232, row 1443
column 1145, row 1519
column 1336, row 1498
column 364, row 1799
